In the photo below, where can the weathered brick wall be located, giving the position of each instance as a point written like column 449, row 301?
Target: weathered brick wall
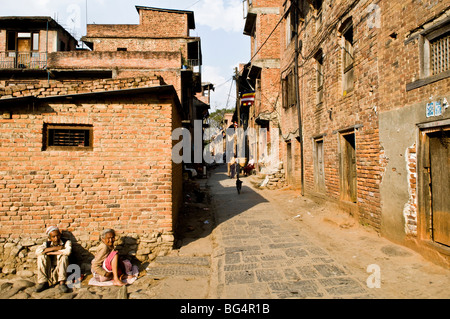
column 127, row 182
column 338, row 110
column 270, row 93
column 164, row 24
column 153, row 24
column 111, row 60
column 140, row 44
column 3, row 40
column 265, row 52
column 401, row 109
column 265, row 24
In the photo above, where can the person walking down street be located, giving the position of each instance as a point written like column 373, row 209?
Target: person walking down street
column 232, row 165
column 107, row 265
column 53, row 260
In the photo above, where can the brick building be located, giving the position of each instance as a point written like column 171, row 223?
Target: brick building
column 87, row 144
column 371, row 81
column 262, row 76
column 25, row 45
column 159, row 45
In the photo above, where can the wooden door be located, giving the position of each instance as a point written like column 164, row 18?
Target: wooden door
column 24, row 52
column 24, row 44
column 319, row 169
column 289, row 163
column 348, row 174
column 440, row 186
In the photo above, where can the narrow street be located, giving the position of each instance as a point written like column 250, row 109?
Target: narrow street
column 277, row 244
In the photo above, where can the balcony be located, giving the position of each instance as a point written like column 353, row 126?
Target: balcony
column 23, row 60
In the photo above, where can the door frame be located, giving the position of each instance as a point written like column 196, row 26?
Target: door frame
column 319, row 184
column 289, row 164
column 345, row 192
column 425, row 214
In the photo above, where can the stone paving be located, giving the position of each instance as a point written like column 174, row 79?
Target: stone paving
column 258, row 254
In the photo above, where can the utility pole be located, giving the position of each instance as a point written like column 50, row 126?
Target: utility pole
column 297, row 93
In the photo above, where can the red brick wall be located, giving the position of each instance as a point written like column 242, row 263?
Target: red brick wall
column 153, row 24
column 111, row 60
column 164, row 24
column 140, row 44
column 2, row 40
column 346, row 111
column 126, row 182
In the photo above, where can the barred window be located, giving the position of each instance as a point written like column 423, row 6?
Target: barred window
column 68, row 137
column 440, row 54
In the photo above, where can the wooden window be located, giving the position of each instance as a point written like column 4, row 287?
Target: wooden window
column 348, row 59
column 318, row 8
column 35, row 42
column 434, row 50
column 288, row 87
column 319, row 77
column 11, row 41
column 291, row 23
column 23, row 41
column 68, row 137
column 440, row 54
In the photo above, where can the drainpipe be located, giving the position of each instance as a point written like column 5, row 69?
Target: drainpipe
column 297, row 95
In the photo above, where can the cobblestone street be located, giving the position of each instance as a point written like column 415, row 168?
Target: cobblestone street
column 261, row 255
column 267, row 249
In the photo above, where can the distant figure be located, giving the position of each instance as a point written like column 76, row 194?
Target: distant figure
column 107, row 265
column 249, row 167
column 233, row 165
column 238, row 185
column 53, row 260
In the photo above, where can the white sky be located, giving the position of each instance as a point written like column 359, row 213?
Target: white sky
column 219, row 23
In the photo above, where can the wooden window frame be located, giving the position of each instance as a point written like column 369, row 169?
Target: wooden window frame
column 319, row 77
column 426, row 42
column 318, row 166
column 73, row 127
column 348, row 58
column 318, row 7
column 288, row 90
column 424, row 38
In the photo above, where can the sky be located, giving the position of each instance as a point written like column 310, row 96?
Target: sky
column 219, row 24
